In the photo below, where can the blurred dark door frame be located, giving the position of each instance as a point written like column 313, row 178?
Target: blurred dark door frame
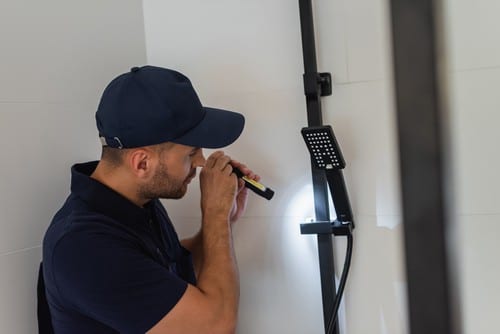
column 421, row 120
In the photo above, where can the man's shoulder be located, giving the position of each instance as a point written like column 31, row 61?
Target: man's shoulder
column 82, row 239
column 77, row 220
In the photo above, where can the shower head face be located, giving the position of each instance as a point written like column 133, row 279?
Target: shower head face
column 323, row 147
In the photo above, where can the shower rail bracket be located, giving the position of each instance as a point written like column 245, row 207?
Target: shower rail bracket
column 317, row 84
column 335, row 227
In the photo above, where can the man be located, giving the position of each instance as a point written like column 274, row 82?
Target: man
column 112, row 261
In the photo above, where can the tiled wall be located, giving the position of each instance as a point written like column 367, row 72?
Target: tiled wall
column 247, row 56
column 55, row 59
column 472, row 33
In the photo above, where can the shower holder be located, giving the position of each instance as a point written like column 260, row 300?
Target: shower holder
column 327, row 227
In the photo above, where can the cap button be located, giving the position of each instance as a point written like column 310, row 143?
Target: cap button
column 135, row 69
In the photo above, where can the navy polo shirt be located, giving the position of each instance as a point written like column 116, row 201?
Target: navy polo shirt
column 111, row 266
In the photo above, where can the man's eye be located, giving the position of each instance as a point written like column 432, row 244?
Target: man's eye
column 192, row 154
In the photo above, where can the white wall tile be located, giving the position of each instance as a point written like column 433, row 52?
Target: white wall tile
column 279, row 278
column 473, row 55
column 472, row 33
column 244, row 46
column 479, row 272
column 18, row 291
column 67, row 51
column 475, row 118
column 375, row 293
column 368, row 39
column 331, row 40
column 42, row 141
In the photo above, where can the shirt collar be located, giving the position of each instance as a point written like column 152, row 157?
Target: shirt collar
column 105, row 200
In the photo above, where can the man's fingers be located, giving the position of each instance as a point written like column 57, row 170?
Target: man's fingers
column 241, row 185
column 227, row 170
column 212, row 159
column 245, row 170
column 222, row 162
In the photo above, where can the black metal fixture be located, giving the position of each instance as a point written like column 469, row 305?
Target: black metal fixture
column 421, row 124
column 327, row 163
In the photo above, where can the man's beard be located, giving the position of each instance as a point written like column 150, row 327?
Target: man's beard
column 163, row 185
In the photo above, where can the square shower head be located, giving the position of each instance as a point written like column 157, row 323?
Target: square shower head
column 323, row 147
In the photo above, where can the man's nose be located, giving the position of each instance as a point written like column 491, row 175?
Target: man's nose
column 199, row 160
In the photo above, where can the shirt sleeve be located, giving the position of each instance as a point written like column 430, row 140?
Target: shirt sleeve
column 110, row 278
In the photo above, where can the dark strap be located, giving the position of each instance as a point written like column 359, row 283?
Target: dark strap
column 44, row 322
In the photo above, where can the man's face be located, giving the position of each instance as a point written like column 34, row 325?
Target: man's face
column 175, row 169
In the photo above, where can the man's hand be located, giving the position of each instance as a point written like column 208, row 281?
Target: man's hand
column 240, row 202
column 218, row 185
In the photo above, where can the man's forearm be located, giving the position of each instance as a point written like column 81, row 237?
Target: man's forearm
column 218, row 272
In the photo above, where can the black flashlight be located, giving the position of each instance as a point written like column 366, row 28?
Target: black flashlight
column 253, row 185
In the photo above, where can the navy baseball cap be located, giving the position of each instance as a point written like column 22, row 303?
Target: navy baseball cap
column 151, row 105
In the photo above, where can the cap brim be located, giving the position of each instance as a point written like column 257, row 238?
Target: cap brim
column 217, row 129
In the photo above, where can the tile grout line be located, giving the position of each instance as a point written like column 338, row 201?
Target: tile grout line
column 45, row 102
column 474, row 69
column 475, row 214
column 20, row 250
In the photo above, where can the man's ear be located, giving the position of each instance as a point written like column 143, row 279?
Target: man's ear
column 141, row 162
